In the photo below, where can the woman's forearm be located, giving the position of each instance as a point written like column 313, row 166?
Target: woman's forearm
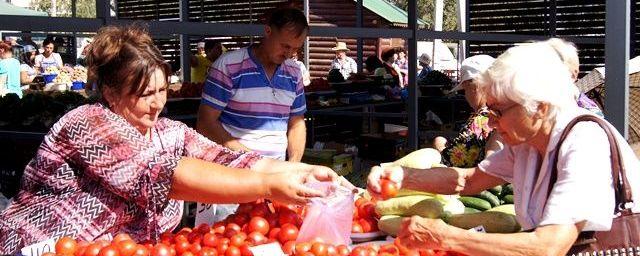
column 435, row 180
column 206, row 182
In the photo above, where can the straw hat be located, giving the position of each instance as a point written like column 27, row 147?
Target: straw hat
column 340, row 46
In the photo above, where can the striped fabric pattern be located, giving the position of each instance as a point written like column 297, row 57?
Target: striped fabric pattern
column 255, row 110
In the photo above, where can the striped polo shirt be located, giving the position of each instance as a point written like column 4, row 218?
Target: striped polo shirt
column 255, row 110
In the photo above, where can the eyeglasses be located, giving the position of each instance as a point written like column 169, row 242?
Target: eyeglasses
column 498, row 113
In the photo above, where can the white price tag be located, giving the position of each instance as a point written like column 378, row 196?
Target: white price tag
column 39, row 248
column 205, row 213
column 272, row 249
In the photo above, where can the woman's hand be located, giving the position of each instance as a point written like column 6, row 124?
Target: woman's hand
column 288, row 187
column 392, row 173
column 423, row 233
column 323, row 173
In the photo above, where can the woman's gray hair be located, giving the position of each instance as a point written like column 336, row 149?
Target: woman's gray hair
column 529, row 75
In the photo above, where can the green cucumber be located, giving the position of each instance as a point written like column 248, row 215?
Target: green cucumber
column 508, row 199
column 507, row 189
column 497, row 190
column 489, row 197
column 474, row 202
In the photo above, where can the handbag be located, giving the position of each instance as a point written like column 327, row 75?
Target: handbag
column 624, row 236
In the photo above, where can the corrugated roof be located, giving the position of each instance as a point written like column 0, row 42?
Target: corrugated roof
column 388, row 11
column 9, row 9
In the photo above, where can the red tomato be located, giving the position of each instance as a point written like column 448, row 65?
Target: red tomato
column 244, row 250
column 259, row 210
column 272, row 219
column 367, row 210
column 121, row 237
column 181, row 246
column 301, row 248
column 331, row 250
column 257, row 238
column 161, row 250
column 141, row 250
column 306, row 254
column 80, row 248
column 388, row 189
column 319, row 249
column 273, row 234
column 92, row 250
column 209, row 239
column 195, row 248
column 360, row 201
column 48, row 254
column 126, row 247
column 110, row 250
column 230, row 233
column 237, row 240
column 222, row 248
column 390, row 249
column 233, row 251
column 185, row 231
column 233, row 226
column 203, row 228
column 187, row 254
column 358, row 251
column 356, row 228
column 289, row 247
column 259, row 224
column 66, row 246
column 207, row 251
column 218, row 228
column 288, row 232
column 343, row 250
column 288, row 216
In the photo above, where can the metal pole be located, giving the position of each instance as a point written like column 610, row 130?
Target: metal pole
column 359, row 23
column 553, row 9
column 412, row 56
column 616, row 101
column 185, row 51
column 462, row 27
column 306, row 41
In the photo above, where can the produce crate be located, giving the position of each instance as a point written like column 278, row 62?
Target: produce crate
column 341, row 163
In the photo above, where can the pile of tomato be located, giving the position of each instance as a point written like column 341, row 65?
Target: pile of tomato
column 253, row 224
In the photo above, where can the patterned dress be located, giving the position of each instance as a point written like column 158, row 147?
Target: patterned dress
column 468, row 148
column 95, row 175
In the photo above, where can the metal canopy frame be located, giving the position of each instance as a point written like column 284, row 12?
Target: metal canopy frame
column 616, row 40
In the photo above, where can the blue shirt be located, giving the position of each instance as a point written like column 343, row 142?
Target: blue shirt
column 11, row 67
column 255, row 110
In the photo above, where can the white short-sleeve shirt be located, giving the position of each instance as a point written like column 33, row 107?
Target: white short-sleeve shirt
column 584, row 186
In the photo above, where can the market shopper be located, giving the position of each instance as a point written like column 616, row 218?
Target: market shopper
column 208, row 52
column 254, row 99
column 390, row 68
column 9, row 71
column 27, row 70
column 530, row 102
column 403, row 64
column 425, row 63
column 48, row 58
column 476, row 139
column 568, row 53
column 306, row 77
column 342, row 62
column 115, row 167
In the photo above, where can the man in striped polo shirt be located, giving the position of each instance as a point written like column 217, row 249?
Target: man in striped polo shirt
column 253, row 98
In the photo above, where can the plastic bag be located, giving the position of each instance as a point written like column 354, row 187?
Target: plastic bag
column 328, row 218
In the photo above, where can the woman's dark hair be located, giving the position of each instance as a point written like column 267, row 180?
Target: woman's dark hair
column 388, row 54
column 290, row 18
column 400, row 49
column 25, row 58
column 47, row 42
column 123, row 59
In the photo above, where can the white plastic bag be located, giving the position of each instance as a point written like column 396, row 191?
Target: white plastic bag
column 328, row 218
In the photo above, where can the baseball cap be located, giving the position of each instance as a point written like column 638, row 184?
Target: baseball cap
column 472, row 67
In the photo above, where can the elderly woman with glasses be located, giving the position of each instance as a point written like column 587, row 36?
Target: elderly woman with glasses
column 530, row 100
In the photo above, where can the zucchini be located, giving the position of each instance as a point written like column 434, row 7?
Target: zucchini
column 508, row 199
column 492, row 221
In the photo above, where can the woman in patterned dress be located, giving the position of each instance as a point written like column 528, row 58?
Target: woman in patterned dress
column 116, row 167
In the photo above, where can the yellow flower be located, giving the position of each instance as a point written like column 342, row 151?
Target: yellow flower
column 458, row 154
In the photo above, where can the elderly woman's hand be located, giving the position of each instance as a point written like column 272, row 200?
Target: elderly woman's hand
column 423, row 233
column 323, row 173
column 392, row 173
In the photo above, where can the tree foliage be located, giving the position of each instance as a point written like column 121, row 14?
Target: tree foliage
column 426, row 12
column 84, row 8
